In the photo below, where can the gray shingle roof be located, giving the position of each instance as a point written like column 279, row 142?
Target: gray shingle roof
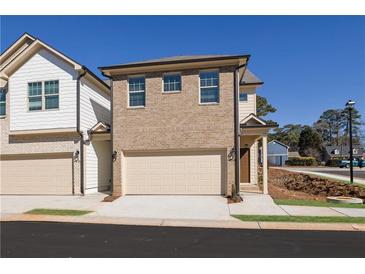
column 175, row 59
column 249, row 78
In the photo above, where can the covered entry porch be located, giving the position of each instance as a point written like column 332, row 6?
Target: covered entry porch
column 253, row 133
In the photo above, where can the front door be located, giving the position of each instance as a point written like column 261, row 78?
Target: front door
column 245, row 165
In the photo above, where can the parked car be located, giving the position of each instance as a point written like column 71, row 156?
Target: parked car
column 355, row 162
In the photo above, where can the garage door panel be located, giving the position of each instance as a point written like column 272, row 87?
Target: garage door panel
column 175, row 173
column 36, row 176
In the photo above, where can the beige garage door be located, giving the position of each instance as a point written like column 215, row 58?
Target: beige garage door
column 37, row 175
column 174, row 173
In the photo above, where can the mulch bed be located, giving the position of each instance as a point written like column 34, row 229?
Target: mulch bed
column 288, row 185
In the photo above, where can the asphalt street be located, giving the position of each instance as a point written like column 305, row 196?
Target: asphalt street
column 344, row 172
column 36, row 239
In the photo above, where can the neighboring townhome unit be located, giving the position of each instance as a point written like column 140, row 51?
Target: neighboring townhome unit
column 55, row 117
column 185, row 125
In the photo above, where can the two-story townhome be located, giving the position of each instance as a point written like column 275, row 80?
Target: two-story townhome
column 54, row 119
column 185, row 125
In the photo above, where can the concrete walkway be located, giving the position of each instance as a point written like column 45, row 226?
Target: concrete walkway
column 166, row 208
column 229, row 224
column 260, row 204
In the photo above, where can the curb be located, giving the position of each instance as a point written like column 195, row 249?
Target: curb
column 229, row 224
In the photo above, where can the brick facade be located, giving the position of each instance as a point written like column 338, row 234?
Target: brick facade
column 173, row 121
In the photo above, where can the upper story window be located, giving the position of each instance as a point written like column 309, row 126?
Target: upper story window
column 35, row 96
column 43, row 96
column 243, row 97
column 172, row 82
column 51, row 98
column 209, row 87
column 2, row 102
column 137, row 92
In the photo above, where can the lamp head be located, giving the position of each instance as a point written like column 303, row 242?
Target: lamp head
column 350, row 104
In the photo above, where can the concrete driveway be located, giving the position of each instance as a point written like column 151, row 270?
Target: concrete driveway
column 15, row 204
column 168, row 207
column 157, row 207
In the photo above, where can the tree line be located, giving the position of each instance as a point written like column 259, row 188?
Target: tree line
column 331, row 128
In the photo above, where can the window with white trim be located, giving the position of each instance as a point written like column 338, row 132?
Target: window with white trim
column 137, row 94
column 243, row 97
column 51, row 97
column 172, row 82
column 43, row 95
column 209, row 87
column 2, row 101
column 35, row 96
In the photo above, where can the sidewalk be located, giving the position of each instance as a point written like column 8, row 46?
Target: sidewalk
column 260, row 204
column 228, row 224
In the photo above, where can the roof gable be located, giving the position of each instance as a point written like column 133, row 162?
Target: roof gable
column 279, row 143
column 100, row 127
column 252, row 119
column 10, row 67
column 15, row 49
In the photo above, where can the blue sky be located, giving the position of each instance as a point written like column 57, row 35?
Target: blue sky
column 308, row 63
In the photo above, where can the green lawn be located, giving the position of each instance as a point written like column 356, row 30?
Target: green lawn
column 315, row 203
column 59, row 212
column 300, row 219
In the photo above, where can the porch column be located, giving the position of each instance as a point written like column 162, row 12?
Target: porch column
column 264, row 165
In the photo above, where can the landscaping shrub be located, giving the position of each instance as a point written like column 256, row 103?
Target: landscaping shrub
column 301, row 161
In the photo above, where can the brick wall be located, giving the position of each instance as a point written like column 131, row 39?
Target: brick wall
column 173, row 121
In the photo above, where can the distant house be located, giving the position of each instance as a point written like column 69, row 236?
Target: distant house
column 340, row 152
column 277, row 153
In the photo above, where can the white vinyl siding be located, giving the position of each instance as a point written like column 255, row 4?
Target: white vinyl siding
column 253, row 163
column 98, row 166
column 94, row 107
column 249, row 106
column 42, row 67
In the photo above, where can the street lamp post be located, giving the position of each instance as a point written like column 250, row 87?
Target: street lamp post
column 350, row 104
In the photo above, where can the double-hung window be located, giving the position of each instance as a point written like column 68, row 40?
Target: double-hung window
column 43, row 95
column 2, row 102
column 51, row 98
column 172, row 82
column 209, row 87
column 35, row 96
column 137, row 92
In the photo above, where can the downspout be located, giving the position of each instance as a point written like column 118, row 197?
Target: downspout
column 78, row 129
column 237, row 129
column 111, row 129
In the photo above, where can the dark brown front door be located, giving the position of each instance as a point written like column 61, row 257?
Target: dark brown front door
column 245, row 165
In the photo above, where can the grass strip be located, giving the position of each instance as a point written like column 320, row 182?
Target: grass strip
column 315, row 203
column 300, row 219
column 59, row 212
